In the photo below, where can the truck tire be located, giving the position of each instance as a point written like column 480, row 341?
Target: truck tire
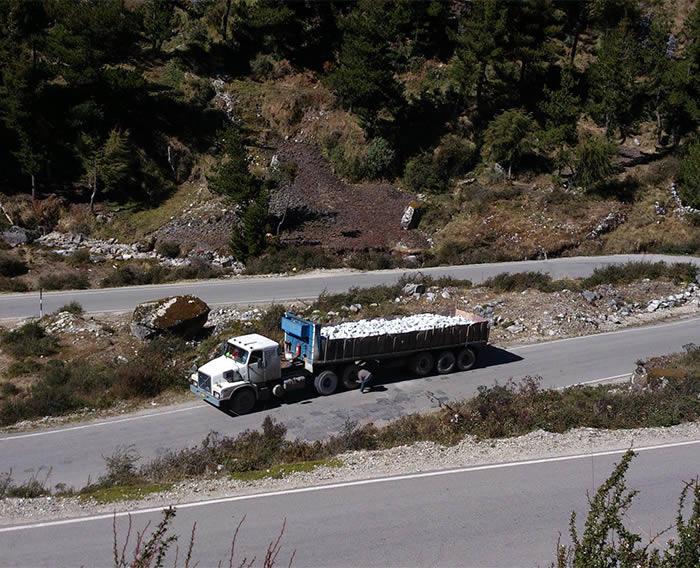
column 422, row 363
column 326, row 383
column 349, row 377
column 466, row 358
column 242, row 401
column 445, row 362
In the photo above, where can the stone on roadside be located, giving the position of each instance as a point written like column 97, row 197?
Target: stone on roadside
column 413, row 288
column 181, row 315
column 653, row 306
column 590, row 296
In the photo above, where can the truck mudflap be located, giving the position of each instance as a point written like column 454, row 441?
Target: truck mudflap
column 205, row 395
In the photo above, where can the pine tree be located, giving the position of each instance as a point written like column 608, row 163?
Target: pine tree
column 508, row 137
column 611, row 79
column 158, row 21
column 479, row 47
column 561, row 108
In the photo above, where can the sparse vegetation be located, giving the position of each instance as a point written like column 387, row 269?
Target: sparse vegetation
column 11, row 266
column 606, row 540
column 73, row 307
column 65, row 386
column 28, row 340
column 64, row 281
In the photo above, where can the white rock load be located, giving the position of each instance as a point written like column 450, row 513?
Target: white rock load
column 381, row 326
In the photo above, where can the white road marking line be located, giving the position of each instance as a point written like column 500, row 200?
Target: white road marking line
column 104, row 423
column 605, row 333
column 341, row 485
column 594, row 381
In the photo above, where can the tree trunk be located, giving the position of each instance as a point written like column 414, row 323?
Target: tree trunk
column 33, row 187
column 481, row 79
column 224, row 20
column 93, row 194
column 510, row 167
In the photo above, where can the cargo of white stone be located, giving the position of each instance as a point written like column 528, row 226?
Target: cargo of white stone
column 381, row 326
column 252, row 368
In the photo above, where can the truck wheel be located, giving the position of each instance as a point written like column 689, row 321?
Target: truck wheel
column 326, row 383
column 445, row 362
column 349, row 377
column 466, row 359
column 423, row 364
column 243, row 401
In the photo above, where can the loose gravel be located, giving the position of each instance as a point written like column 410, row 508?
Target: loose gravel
column 419, row 457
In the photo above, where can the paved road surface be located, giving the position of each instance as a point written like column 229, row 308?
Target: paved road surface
column 504, row 516
column 258, row 290
column 74, row 453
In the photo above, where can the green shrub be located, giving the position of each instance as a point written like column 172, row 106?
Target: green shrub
column 80, row 257
column 134, row 274
column 64, row 281
column 690, row 177
column 519, row 281
column 632, row 271
column 8, row 389
column 371, row 260
column 380, row 157
column 33, row 487
column 13, row 285
column 11, row 266
column 593, row 161
column 290, row 258
column 21, row 368
column 168, row 249
column 29, row 340
column 73, row 307
column 421, row 175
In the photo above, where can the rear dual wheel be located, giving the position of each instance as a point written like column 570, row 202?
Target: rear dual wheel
column 326, row 382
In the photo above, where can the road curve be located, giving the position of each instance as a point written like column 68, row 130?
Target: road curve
column 252, row 290
column 500, row 515
column 75, row 452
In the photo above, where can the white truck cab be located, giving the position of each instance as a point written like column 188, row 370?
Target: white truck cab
column 243, row 360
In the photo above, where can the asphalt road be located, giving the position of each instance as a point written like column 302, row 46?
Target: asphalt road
column 503, row 515
column 259, row 290
column 75, row 452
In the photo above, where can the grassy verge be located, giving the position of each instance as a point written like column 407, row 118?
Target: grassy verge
column 284, row 469
column 115, row 493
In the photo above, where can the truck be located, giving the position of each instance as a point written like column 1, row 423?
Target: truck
column 252, row 368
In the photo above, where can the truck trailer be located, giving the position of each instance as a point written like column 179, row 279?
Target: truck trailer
column 252, row 368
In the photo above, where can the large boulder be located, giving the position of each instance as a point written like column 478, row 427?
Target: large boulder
column 15, row 235
column 181, row 315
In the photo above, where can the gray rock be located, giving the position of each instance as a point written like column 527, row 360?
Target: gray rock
column 355, row 308
column 653, row 306
column 515, row 328
column 590, row 296
column 413, row 288
column 430, row 296
column 181, row 315
column 18, row 236
column 409, row 219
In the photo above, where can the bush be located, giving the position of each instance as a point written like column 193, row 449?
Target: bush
column 11, row 266
column 593, row 161
column 31, row 488
column 168, row 249
column 13, row 285
column 421, row 174
column 80, row 257
column 606, row 541
column 379, row 159
column 64, row 281
column 519, row 281
column 632, row 271
column 74, row 307
column 134, row 274
column 371, row 260
column 29, row 340
column 290, row 258
column 690, row 177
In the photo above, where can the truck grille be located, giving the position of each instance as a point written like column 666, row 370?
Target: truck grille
column 204, row 381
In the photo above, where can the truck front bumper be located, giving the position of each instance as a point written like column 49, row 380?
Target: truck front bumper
column 205, row 395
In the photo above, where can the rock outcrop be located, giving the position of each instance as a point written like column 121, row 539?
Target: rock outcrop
column 181, row 315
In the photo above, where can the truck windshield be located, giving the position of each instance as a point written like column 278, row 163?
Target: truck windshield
column 239, row 355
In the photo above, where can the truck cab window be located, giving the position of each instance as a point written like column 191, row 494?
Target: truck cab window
column 256, row 357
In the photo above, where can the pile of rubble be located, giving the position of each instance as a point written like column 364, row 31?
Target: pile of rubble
column 65, row 244
column 221, row 318
column 381, row 326
column 68, row 322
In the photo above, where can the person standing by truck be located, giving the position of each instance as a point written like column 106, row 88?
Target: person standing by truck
column 364, row 375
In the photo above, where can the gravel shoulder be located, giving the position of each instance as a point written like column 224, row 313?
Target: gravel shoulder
column 419, row 457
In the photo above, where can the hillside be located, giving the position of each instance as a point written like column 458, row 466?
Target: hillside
column 144, row 141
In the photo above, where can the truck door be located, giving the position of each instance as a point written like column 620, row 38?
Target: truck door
column 256, row 367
